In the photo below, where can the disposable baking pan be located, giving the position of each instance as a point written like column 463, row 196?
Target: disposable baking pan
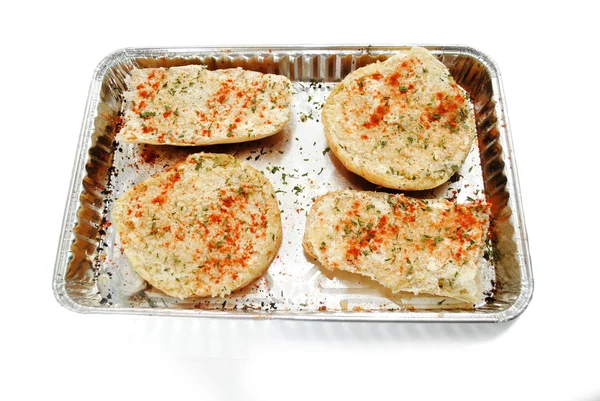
column 92, row 274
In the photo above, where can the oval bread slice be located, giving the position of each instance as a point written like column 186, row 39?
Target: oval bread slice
column 191, row 105
column 206, row 227
column 419, row 246
column 403, row 123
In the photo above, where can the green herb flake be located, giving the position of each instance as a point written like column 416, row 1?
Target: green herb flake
column 146, row 114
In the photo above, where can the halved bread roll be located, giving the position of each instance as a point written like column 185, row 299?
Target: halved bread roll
column 206, row 227
column 190, row 105
column 403, row 123
column 421, row 246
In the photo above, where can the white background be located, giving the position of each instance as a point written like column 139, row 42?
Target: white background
column 548, row 57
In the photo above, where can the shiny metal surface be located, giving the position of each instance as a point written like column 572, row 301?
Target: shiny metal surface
column 92, row 274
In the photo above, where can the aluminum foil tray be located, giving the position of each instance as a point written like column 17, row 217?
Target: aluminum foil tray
column 93, row 275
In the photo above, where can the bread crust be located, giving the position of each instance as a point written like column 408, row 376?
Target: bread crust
column 402, row 124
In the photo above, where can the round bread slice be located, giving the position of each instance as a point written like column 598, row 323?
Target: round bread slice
column 403, row 123
column 206, row 227
column 190, row 105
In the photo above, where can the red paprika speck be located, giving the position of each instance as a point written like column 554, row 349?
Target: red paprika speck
column 160, row 199
column 383, row 221
column 466, row 220
column 179, row 235
column 377, row 116
column 139, row 107
column 174, row 177
column 227, row 202
column 393, row 79
column 352, row 253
